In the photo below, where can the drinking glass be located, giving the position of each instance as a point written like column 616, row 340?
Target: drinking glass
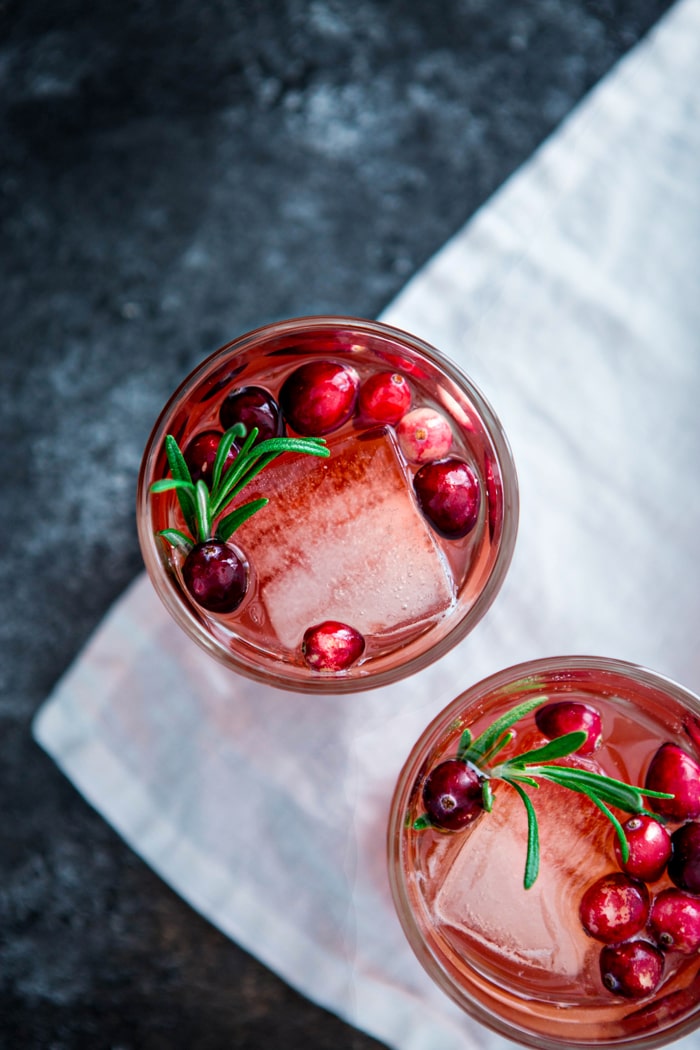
column 599, row 951
column 364, row 566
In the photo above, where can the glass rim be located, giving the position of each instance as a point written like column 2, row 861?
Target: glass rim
column 427, row 741
column 284, row 677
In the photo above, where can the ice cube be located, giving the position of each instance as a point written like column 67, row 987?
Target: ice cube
column 343, row 539
column 481, row 897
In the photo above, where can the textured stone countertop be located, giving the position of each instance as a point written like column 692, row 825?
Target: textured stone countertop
column 172, row 174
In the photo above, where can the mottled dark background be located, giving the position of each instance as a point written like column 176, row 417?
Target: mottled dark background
column 173, row 173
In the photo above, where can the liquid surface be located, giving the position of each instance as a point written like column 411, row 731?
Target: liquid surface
column 523, row 955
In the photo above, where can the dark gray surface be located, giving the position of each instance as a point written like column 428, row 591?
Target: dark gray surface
column 172, row 174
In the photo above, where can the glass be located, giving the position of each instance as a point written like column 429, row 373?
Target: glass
column 536, row 965
column 344, row 539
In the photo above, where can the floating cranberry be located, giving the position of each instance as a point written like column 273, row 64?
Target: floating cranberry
column 452, row 795
column 216, row 576
column 449, row 495
column 319, row 397
column 570, row 716
column 332, row 646
column 614, row 908
column 201, row 453
column 649, row 848
column 632, row 970
column 424, row 435
column 384, row 398
column 684, row 865
column 673, row 770
column 254, row 407
column 675, row 921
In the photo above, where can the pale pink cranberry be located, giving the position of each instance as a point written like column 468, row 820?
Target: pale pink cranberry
column 675, row 921
column 424, row 435
column 332, row 646
column 449, row 495
column 570, row 716
column 201, row 453
column 614, row 908
column 452, row 795
column 673, row 770
column 632, row 970
column 649, row 848
column 319, row 396
column 684, row 865
column 384, row 398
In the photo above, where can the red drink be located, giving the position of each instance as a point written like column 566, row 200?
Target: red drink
column 371, row 539
column 566, row 962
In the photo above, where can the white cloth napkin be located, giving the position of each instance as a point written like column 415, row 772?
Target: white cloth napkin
column 572, row 300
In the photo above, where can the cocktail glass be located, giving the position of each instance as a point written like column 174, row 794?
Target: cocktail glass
column 354, row 541
column 599, row 951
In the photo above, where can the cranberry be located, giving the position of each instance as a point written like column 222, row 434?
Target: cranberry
column 449, row 495
column 452, row 795
column 649, row 845
column 570, row 716
column 319, row 397
column 216, row 576
column 632, row 970
column 675, row 921
column 672, row 769
column 254, row 407
column 332, row 646
column 684, row 865
column 201, row 453
column 384, row 398
column 614, row 908
column 424, row 435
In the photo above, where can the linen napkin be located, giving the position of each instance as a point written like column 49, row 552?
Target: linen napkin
column 572, row 300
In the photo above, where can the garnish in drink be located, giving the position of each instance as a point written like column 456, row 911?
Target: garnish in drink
column 215, row 572
column 475, row 761
column 562, row 768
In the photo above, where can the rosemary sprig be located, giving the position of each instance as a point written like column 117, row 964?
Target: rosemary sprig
column 201, row 505
column 531, row 767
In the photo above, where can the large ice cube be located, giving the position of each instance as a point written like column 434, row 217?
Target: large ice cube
column 482, row 899
column 343, row 539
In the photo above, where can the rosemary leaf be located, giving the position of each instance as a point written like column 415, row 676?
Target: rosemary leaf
column 532, row 860
column 488, row 738
column 176, row 539
column 228, row 525
column 203, row 511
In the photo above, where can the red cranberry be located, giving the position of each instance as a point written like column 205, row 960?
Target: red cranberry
column 569, row 716
column 452, row 795
column 649, row 845
column 684, row 865
column 632, row 970
column 672, row 769
column 201, row 453
column 614, row 908
column 332, row 646
column 384, row 398
column 254, row 407
column 319, row 397
column 216, row 576
column 424, row 435
column 449, row 495
column 675, row 921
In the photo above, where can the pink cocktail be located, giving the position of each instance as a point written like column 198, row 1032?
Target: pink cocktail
column 531, row 912
column 375, row 551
